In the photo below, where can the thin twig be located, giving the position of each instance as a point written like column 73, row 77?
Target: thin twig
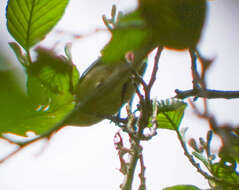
column 21, row 146
column 155, row 68
column 195, row 74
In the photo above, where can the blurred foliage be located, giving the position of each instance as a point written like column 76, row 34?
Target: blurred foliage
column 13, row 99
column 49, row 97
column 222, row 165
column 174, row 24
column 129, row 34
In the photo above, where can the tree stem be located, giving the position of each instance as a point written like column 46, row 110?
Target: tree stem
column 134, row 157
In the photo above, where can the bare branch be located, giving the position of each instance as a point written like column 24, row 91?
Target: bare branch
column 155, row 68
column 206, row 93
column 135, row 130
column 135, row 152
column 142, row 174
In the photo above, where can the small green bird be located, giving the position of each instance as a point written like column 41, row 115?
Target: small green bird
column 175, row 24
column 107, row 85
column 102, row 91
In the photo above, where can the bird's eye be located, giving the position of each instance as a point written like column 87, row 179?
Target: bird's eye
column 98, row 84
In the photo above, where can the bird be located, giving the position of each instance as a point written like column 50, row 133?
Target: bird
column 106, row 85
column 175, row 24
column 103, row 89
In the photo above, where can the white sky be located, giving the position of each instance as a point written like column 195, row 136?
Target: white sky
column 85, row 158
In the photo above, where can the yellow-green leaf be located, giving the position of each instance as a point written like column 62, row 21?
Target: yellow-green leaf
column 170, row 114
column 29, row 21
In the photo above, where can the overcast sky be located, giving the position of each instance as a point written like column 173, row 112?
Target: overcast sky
column 85, row 158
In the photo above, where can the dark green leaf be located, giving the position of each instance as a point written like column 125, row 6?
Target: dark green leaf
column 170, row 114
column 182, row 187
column 175, row 24
column 29, row 21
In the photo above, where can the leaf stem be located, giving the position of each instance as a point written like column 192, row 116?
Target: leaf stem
column 29, row 56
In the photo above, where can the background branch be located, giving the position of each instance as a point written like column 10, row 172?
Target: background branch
column 206, row 93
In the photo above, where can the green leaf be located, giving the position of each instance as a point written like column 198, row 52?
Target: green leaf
column 129, row 34
column 29, row 21
column 182, row 187
column 170, row 114
column 32, row 118
column 51, row 81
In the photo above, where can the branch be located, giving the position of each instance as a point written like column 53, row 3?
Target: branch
column 142, row 174
column 146, row 105
column 135, row 129
column 155, row 69
column 207, row 93
column 135, row 152
column 195, row 74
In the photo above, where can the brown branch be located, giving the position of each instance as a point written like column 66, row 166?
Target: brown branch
column 207, row 93
column 21, row 146
column 135, row 130
column 146, row 105
column 142, row 173
column 155, row 68
column 135, row 152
